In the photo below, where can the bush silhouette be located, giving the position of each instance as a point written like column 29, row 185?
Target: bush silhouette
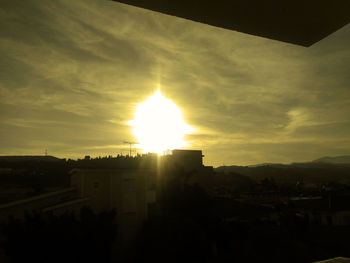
column 66, row 238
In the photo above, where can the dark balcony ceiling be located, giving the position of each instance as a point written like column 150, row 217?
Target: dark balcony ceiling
column 301, row 22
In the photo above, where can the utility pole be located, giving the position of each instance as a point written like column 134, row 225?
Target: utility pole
column 130, row 144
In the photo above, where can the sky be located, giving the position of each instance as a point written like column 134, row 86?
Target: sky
column 73, row 72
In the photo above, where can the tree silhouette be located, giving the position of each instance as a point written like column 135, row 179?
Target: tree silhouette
column 66, row 238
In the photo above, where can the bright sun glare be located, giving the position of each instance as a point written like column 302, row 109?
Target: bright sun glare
column 158, row 125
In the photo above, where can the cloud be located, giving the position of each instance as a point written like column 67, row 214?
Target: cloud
column 72, row 73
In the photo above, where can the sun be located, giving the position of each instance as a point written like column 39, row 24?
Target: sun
column 158, row 125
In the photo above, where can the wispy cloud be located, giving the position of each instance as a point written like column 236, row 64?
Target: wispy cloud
column 72, row 73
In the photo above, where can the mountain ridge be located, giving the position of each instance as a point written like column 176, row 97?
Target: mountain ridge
column 343, row 159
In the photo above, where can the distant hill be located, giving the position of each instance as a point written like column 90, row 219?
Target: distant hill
column 336, row 160
column 28, row 158
column 312, row 172
column 268, row 164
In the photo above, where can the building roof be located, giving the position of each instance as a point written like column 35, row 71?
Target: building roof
column 66, row 204
column 335, row 260
column 37, row 198
column 29, row 158
column 294, row 21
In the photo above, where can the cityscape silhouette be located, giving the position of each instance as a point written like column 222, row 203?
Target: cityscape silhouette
column 174, row 131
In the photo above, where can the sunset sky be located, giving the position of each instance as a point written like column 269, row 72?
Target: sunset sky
column 73, row 72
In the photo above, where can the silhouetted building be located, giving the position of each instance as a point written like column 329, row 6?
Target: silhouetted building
column 261, row 197
column 324, row 210
column 188, row 159
column 28, row 158
column 127, row 185
column 67, row 198
column 124, row 190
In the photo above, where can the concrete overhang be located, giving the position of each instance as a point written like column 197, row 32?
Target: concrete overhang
column 301, row 22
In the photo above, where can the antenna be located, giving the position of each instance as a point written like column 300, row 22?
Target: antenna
column 130, row 144
column 45, row 152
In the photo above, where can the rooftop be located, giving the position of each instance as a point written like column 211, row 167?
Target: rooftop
column 294, row 21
